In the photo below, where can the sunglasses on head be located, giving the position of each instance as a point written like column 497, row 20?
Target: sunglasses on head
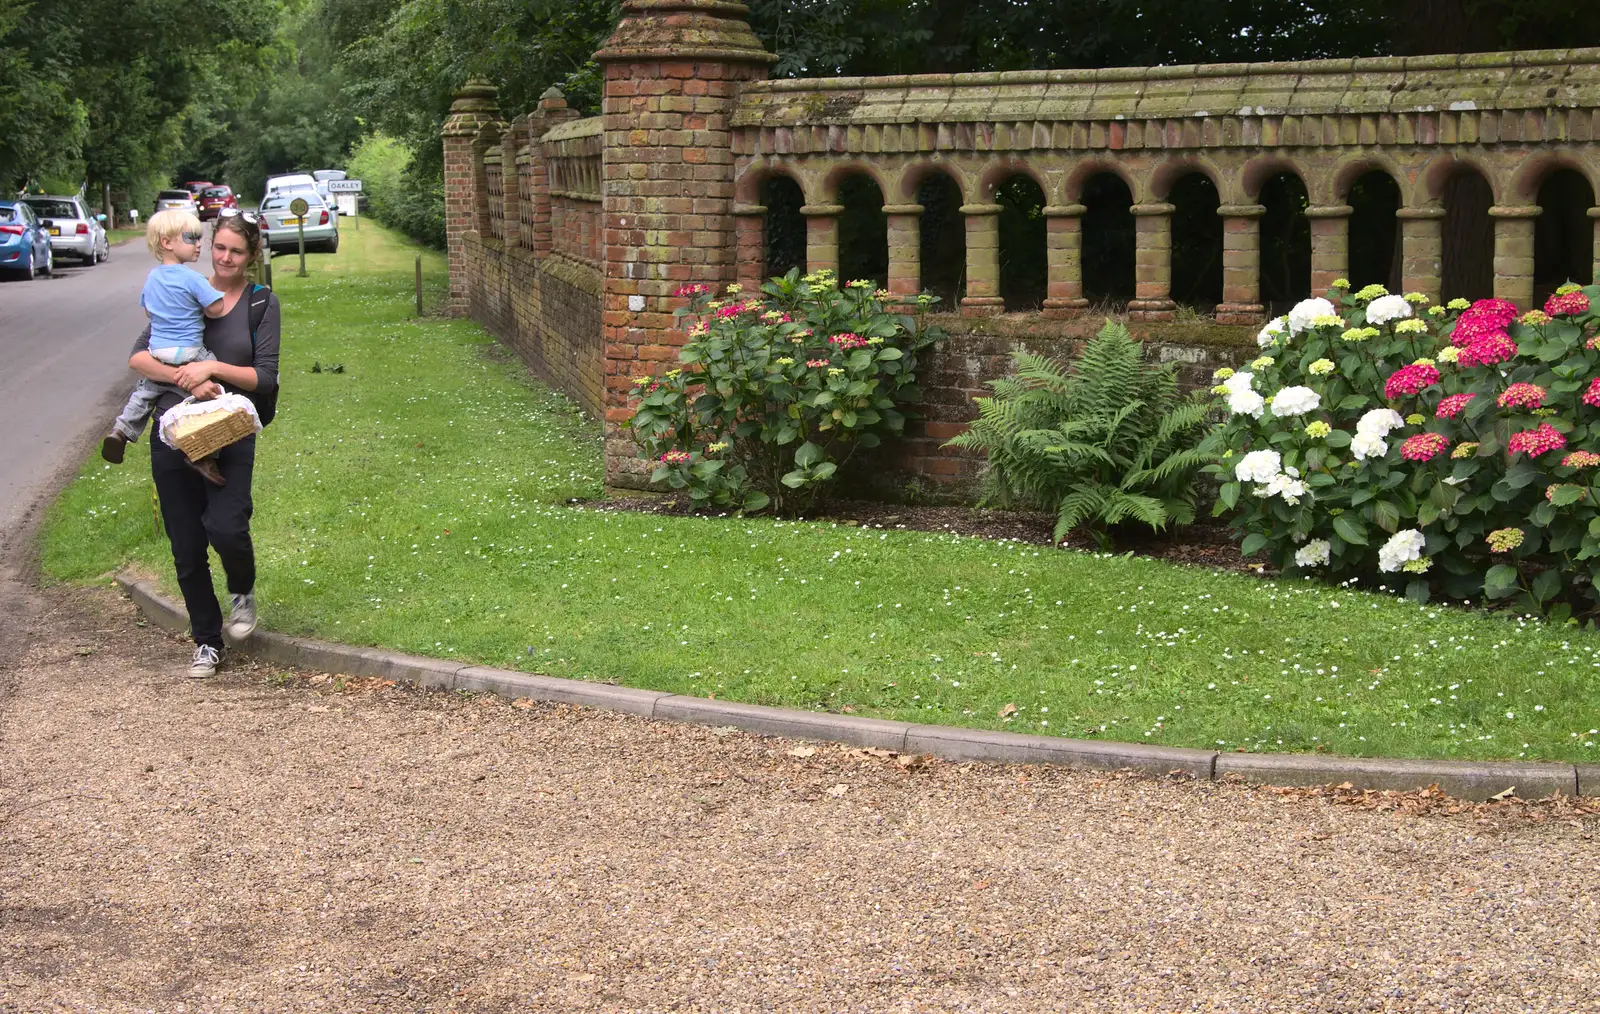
column 248, row 216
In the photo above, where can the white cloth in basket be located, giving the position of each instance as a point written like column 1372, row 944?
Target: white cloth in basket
column 188, row 407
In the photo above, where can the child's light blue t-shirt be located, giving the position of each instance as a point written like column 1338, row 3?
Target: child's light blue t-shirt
column 176, row 298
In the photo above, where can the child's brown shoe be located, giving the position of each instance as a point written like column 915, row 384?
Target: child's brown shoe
column 208, row 468
column 112, row 446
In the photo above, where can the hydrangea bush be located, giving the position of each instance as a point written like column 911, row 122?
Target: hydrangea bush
column 1446, row 449
column 776, row 390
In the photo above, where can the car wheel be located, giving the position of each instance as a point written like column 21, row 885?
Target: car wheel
column 332, row 246
column 49, row 262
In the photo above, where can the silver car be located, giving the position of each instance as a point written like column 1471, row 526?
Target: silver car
column 181, row 200
column 72, row 228
column 281, row 227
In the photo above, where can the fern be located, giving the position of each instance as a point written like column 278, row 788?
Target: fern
column 1103, row 441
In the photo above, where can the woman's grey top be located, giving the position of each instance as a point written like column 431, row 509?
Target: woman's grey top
column 228, row 338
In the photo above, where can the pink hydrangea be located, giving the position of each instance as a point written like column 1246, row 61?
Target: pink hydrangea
column 1490, row 350
column 1529, row 396
column 1581, row 459
column 1568, row 305
column 724, row 312
column 815, row 363
column 847, row 340
column 693, row 290
column 1591, row 397
column 675, row 458
column 1451, row 405
column 1482, row 319
column 1409, row 380
column 1537, row 441
column 1423, row 446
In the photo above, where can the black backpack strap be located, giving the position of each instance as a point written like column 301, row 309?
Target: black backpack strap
column 259, row 297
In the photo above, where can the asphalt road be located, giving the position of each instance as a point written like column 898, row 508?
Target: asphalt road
column 64, row 343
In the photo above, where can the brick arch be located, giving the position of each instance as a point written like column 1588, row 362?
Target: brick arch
column 1085, row 169
column 828, row 188
column 1254, row 174
column 1438, row 170
column 747, row 188
column 998, row 170
column 1350, row 169
column 1168, row 172
column 912, row 176
column 1526, row 180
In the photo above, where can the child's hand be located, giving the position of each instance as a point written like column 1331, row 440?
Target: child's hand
column 206, row 391
column 190, row 375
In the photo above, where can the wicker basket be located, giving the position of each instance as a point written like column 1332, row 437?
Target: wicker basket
column 201, row 435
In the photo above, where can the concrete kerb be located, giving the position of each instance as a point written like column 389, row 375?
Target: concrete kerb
column 1462, row 779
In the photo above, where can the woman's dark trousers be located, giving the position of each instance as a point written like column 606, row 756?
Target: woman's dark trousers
column 198, row 514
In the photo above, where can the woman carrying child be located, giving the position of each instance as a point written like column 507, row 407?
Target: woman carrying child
column 197, row 512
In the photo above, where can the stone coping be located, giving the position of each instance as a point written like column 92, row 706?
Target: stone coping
column 592, row 126
column 1474, row 780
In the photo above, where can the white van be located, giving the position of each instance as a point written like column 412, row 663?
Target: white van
column 293, row 181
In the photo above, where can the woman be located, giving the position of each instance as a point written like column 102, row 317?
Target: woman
column 196, row 512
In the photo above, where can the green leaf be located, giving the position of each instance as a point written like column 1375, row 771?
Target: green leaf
column 1417, row 590
column 808, row 454
column 1387, row 515
column 1547, row 585
column 1501, row 580
column 756, row 500
column 1252, row 544
column 1350, row 530
column 1542, row 514
column 889, row 353
column 1229, row 495
column 1565, row 495
column 794, row 479
column 823, row 471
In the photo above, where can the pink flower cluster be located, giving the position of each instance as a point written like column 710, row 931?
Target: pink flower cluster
column 1529, row 396
column 1591, row 397
column 724, row 312
column 1581, row 459
column 1490, row 350
column 1451, row 405
column 816, row 363
column 1483, row 318
column 1568, row 305
column 847, row 340
column 675, row 458
column 1536, row 442
column 1409, row 380
column 692, row 290
column 1424, row 446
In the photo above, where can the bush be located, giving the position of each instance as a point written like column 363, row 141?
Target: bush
column 1103, row 442
column 403, row 191
column 777, row 391
column 1456, row 446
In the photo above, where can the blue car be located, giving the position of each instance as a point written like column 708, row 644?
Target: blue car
column 24, row 243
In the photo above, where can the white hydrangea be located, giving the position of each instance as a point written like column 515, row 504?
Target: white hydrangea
column 1388, row 308
column 1306, row 311
column 1401, row 548
column 1296, row 400
column 1276, row 328
column 1242, row 400
column 1368, row 445
column 1313, row 554
column 1286, row 486
column 1379, row 422
column 1258, row 466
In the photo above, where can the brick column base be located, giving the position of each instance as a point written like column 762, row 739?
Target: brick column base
column 1241, row 264
column 1330, row 245
column 750, row 239
column 983, row 261
column 1594, row 213
column 822, row 237
column 1152, row 262
column 1064, row 254
column 905, row 250
column 1513, row 253
column 1422, row 246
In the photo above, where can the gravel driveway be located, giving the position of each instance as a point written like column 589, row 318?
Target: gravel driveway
column 274, row 842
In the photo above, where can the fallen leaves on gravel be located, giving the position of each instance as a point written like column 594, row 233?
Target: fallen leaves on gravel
column 1434, row 802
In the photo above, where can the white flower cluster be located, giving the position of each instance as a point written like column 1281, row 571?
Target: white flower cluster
column 1370, row 432
column 1293, row 401
column 1242, row 400
column 1313, row 553
column 1265, row 468
column 1388, row 308
column 1401, row 548
column 1276, row 328
column 1286, row 484
column 1306, row 311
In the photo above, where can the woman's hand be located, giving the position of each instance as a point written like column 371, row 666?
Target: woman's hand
column 192, row 375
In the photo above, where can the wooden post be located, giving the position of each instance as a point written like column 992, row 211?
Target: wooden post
column 419, row 285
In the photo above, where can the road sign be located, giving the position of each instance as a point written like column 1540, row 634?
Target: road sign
column 344, row 186
column 299, row 207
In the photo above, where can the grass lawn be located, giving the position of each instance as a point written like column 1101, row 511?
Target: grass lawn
column 115, row 236
column 419, row 500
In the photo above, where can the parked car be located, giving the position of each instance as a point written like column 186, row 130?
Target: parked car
column 197, row 187
column 73, row 228
column 214, row 199
column 323, row 176
column 24, row 244
column 179, row 199
column 290, row 181
column 280, row 226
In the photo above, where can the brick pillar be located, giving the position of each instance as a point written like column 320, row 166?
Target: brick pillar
column 1064, row 256
column 672, row 73
column 1330, row 245
column 1421, row 246
column 474, row 106
column 512, row 147
column 1241, row 264
column 822, row 236
column 983, row 261
column 750, row 229
column 552, row 111
column 1594, row 213
column 905, row 249
column 1513, row 253
column 1152, row 262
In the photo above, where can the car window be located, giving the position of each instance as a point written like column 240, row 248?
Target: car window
column 53, row 209
column 27, row 214
column 217, row 191
column 8, row 214
column 174, row 195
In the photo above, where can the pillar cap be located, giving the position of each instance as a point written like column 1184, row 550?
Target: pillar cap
column 902, row 209
column 749, row 209
column 1594, row 212
column 476, row 103
column 1064, row 210
column 1516, row 211
column 981, row 209
column 820, row 210
column 1241, row 210
column 1156, row 208
column 684, row 30
column 1426, row 212
column 1330, row 211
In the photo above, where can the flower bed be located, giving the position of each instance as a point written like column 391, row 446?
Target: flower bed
column 1452, row 447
